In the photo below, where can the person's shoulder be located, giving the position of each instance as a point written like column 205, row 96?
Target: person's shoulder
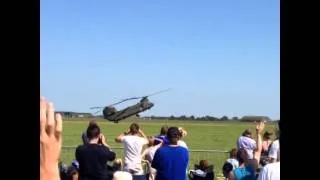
column 183, row 149
column 141, row 138
column 163, row 148
column 183, row 144
column 275, row 143
column 81, row 146
column 230, row 160
column 81, row 149
column 250, row 139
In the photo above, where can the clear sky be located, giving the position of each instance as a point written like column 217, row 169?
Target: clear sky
column 220, row 57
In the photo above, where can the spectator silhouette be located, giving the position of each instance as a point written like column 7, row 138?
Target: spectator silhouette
column 133, row 142
column 248, row 166
column 148, row 154
column 163, row 134
column 233, row 158
column 247, row 142
column 171, row 160
column 203, row 171
column 94, row 155
column 84, row 136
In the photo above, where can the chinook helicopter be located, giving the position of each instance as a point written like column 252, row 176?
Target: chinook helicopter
column 110, row 113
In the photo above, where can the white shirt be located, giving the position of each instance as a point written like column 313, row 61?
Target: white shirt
column 275, row 151
column 248, row 144
column 132, row 152
column 270, row 172
column 182, row 144
column 151, row 151
column 119, row 175
column 234, row 162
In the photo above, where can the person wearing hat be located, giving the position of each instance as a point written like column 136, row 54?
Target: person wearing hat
column 73, row 170
column 247, row 142
column 171, row 160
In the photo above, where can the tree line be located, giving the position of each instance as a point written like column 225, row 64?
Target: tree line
column 191, row 118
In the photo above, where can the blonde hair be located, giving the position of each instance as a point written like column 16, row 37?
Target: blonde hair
column 183, row 132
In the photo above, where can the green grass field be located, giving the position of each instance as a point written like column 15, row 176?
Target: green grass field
column 220, row 136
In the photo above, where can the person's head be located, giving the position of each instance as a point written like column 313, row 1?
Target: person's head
column 173, row 135
column 242, row 156
column 75, row 164
column 134, row 128
column 247, row 133
column 151, row 141
column 203, row 164
column 164, row 130
column 226, row 169
column 233, row 153
column 267, row 136
column 183, row 132
column 93, row 132
column 92, row 122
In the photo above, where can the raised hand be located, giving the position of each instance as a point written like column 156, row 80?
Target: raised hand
column 260, row 126
column 50, row 141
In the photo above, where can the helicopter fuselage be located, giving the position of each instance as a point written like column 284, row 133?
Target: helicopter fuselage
column 110, row 113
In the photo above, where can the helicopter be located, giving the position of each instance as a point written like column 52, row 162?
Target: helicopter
column 110, row 113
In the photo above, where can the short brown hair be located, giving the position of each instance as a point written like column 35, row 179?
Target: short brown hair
column 134, row 128
column 92, row 122
column 93, row 131
column 242, row 155
column 203, row 164
column 233, row 153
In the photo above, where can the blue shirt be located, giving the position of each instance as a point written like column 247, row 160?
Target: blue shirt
column 171, row 163
column 244, row 173
column 163, row 138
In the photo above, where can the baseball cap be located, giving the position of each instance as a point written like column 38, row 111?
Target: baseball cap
column 75, row 164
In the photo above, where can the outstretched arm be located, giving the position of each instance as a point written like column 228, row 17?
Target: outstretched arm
column 257, row 154
column 119, row 139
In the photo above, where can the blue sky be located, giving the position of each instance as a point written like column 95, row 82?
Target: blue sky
column 220, row 57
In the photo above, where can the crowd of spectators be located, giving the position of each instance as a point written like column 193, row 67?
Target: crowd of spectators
column 166, row 154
